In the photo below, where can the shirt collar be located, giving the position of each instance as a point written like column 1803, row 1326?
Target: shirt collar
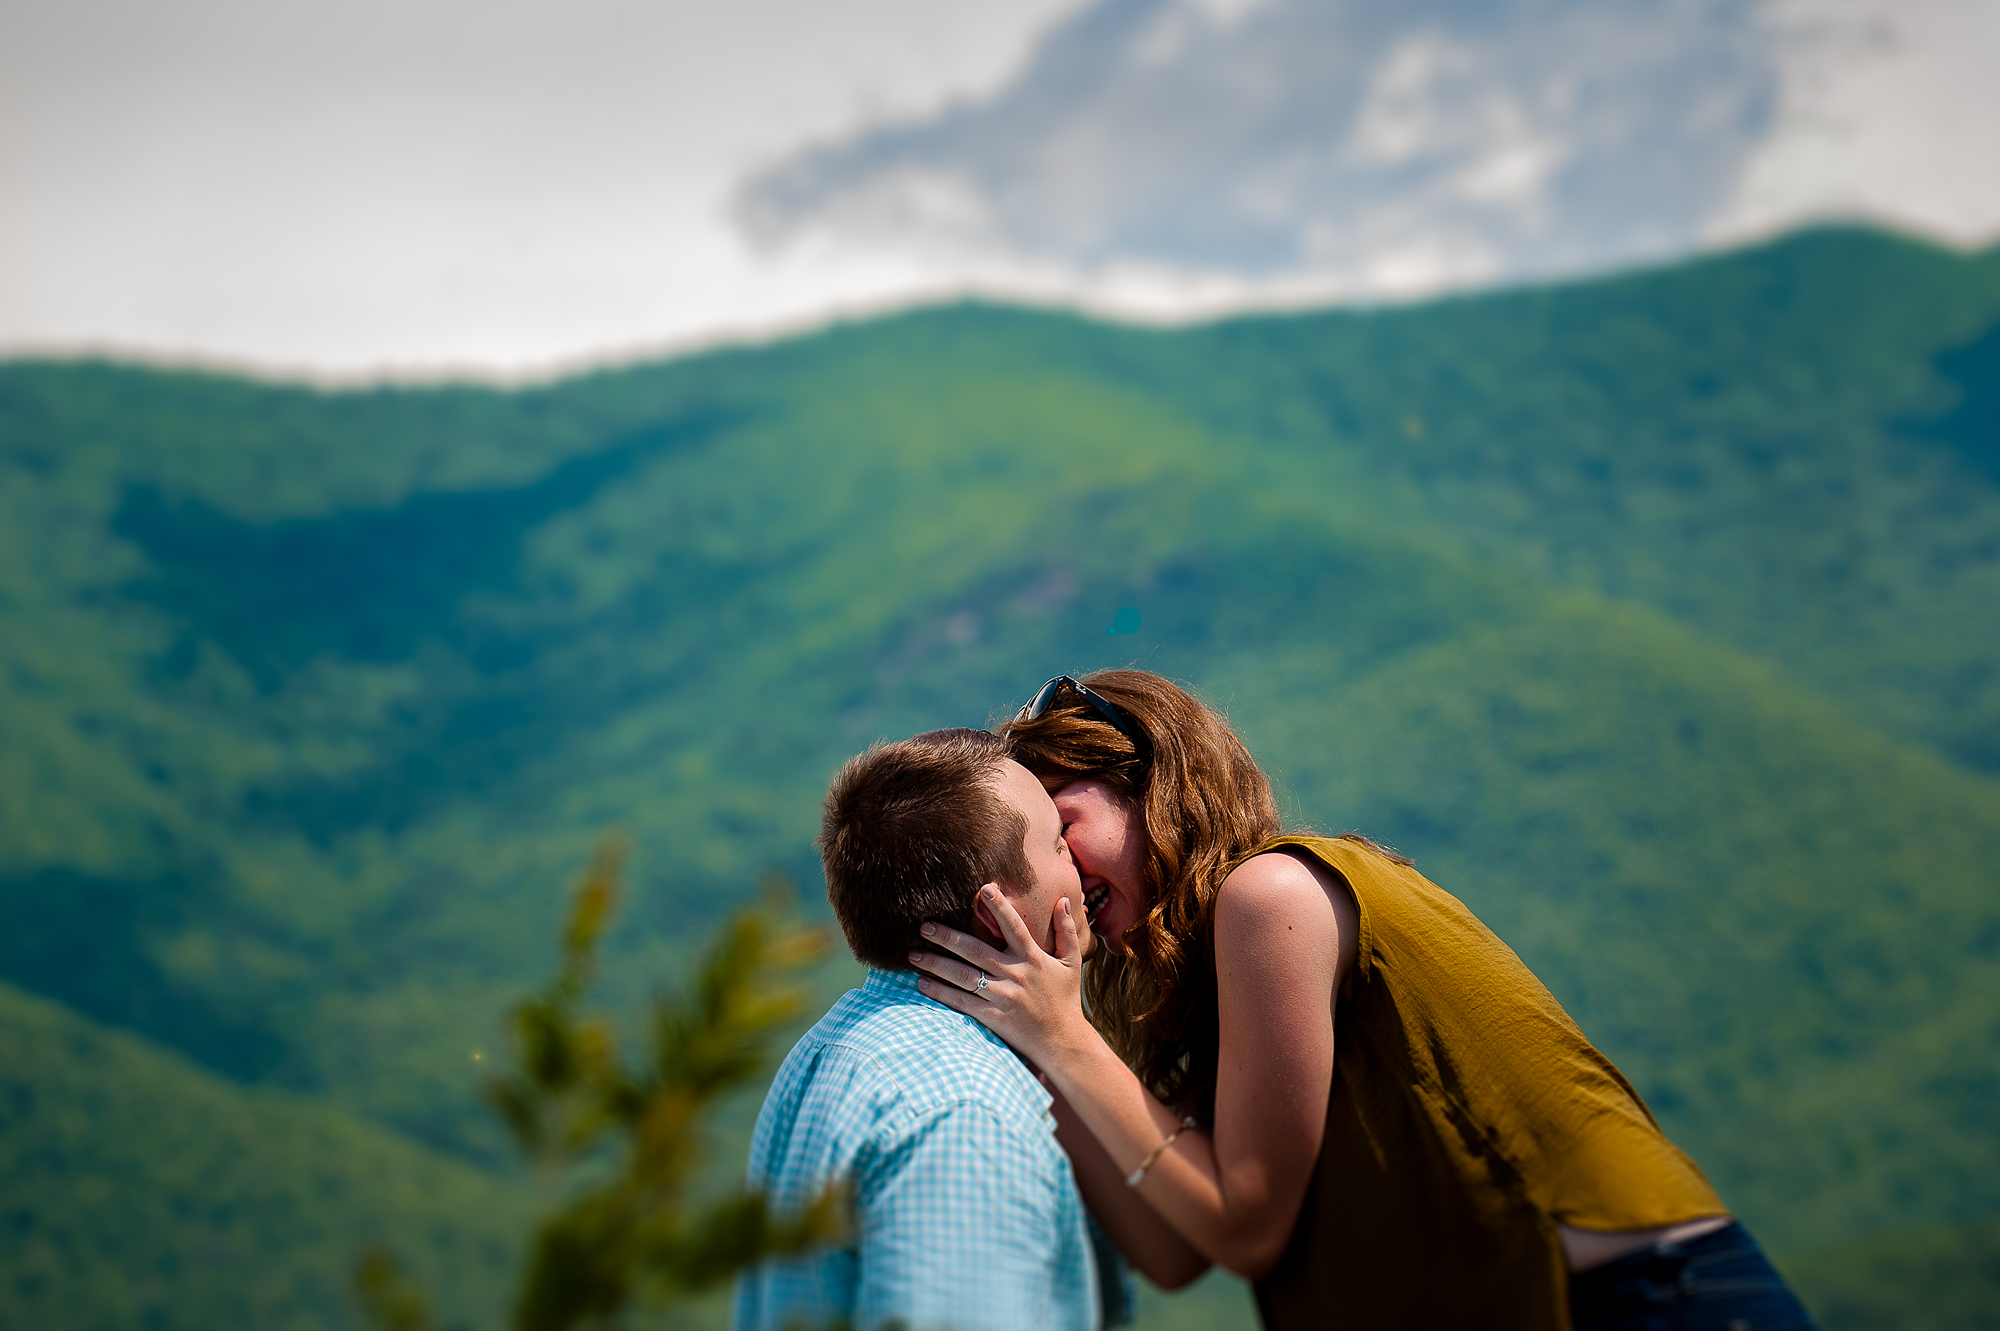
column 890, row 982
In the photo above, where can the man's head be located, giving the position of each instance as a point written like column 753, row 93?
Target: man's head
column 913, row 829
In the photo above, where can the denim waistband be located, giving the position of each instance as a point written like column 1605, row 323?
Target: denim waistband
column 1720, row 1281
column 1666, row 1263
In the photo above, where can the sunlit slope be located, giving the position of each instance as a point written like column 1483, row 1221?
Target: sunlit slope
column 1937, row 1280
column 356, row 800
column 1794, row 449
column 136, row 1190
column 1652, row 616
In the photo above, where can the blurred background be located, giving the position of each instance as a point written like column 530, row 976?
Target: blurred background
column 1564, row 436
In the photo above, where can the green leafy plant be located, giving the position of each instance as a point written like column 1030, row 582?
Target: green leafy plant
column 623, row 1145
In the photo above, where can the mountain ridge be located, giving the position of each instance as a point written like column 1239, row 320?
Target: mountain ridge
column 1651, row 615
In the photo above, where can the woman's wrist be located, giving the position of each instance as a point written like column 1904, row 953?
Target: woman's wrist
column 1084, row 1068
column 1077, row 1043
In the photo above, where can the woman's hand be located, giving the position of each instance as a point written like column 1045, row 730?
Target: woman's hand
column 1030, row 999
column 1286, row 933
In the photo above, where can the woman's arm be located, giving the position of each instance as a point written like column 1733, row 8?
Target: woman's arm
column 1284, row 940
column 1148, row 1242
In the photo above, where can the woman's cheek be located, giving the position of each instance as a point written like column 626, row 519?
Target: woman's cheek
column 1117, row 919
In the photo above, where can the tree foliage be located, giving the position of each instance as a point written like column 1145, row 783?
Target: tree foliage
column 633, row 1233
column 1653, row 615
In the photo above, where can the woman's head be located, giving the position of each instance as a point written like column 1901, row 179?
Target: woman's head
column 1156, row 823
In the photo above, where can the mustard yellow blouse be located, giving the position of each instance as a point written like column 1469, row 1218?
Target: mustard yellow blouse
column 1469, row 1117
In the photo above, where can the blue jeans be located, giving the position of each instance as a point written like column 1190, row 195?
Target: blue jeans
column 1719, row 1282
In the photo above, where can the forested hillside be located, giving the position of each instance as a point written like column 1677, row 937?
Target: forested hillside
column 1654, row 616
column 139, row 1191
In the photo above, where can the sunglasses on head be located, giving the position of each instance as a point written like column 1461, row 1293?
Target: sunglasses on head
column 1105, row 708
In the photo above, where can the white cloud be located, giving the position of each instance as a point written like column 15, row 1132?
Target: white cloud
column 1335, row 140
column 1295, row 149
column 1890, row 110
column 357, row 184
column 351, row 185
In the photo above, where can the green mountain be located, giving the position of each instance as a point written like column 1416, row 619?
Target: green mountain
column 138, row 1190
column 1653, row 615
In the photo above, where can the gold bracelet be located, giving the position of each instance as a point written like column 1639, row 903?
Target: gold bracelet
column 1132, row 1179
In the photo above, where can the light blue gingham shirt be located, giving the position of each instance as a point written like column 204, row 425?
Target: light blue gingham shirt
column 967, row 1214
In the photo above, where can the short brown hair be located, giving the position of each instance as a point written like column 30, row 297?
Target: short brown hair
column 910, row 832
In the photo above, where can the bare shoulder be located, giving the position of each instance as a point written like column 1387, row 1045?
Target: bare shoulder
column 1276, row 881
column 1272, row 895
column 1288, row 893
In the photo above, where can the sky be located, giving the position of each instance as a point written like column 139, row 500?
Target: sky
column 509, row 187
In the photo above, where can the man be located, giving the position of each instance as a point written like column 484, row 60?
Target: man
column 967, row 1215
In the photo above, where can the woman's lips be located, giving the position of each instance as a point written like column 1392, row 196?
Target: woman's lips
column 1093, row 902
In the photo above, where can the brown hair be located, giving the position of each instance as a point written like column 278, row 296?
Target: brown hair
column 910, row 832
column 1203, row 806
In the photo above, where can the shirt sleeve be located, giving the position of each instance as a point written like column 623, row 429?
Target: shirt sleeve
column 959, row 1217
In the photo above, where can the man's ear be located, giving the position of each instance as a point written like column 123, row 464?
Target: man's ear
column 986, row 926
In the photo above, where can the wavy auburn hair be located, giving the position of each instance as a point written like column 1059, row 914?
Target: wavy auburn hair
column 1203, row 805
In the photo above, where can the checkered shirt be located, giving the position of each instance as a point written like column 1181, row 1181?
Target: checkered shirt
column 968, row 1218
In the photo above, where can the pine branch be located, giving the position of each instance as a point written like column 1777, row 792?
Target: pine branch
column 638, row 1237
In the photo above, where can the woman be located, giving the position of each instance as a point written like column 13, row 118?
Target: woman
column 1476, row 1162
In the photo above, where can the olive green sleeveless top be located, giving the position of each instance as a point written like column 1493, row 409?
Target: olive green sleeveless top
column 1469, row 1117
